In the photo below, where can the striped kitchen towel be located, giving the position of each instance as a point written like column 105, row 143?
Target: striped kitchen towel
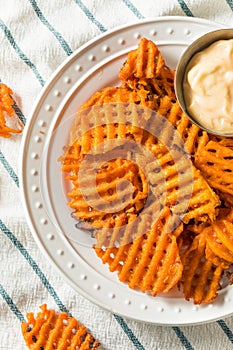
column 36, row 37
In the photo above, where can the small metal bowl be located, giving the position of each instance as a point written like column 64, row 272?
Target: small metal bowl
column 197, row 46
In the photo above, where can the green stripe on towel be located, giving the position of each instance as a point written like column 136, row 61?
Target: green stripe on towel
column 9, row 169
column 34, row 266
column 185, row 8
column 57, row 35
column 133, row 9
column 90, row 15
column 11, row 304
column 20, row 52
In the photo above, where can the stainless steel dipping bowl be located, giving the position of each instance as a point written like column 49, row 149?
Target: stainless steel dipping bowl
column 197, row 46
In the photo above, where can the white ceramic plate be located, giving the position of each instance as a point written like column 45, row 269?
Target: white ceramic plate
column 87, row 70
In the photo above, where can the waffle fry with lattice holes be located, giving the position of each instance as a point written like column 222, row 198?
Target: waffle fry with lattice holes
column 144, row 62
column 134, row 266
column 111, row 194
column 91, row 138
column 219, row 238
column 112, row 95
column 203, row 200
column 156, row 93
column 226, row 198
column 50, row 330
column 156, row 86
column 151, row 262
column 201, row 278
column 216, row 163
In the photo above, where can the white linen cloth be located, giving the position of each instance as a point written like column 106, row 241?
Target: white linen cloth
column 35, row 38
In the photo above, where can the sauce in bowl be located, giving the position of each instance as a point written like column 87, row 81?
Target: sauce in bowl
column 208, row 86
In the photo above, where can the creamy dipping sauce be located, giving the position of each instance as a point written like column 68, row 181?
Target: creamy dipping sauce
column 208, row 87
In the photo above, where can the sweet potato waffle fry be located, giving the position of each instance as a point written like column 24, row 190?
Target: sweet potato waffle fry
column 159, row 95
column 191, row 248
column 203, row 201
column 215, row 259
column 50, row 330
column 201, row 278
column 6, row 109
column 226, row 198
column 144, row 62
column 110, row 95
column 133, row 190
column 219, row 237
column 151, row 262
column 222, row 140
column 216, row 163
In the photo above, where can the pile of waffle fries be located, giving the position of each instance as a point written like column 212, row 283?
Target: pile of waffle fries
column 169, row 244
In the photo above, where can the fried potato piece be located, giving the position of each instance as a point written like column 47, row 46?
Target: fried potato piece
column 225, row 213
column 151, row 262
column 186, row 189
column 142, row 248
column 156, row 92
column 198, row 227
column 111, row 95
column 229, row 215
column 226, row 198
column 194, row 138
column 219, row 237
column 144, row 62
column 201, row 278
column 216, row 237
column 191, row 188
column 122, row 94
column 101, row 124
column 164, row 102
column 216, row 163
column 159, row 90
column 105, row 183
column 118, row 188
column 50, row 330
column 222, row 140
column 6, row 108
column 215, row 259
column 162, row 167
column 203, row 202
